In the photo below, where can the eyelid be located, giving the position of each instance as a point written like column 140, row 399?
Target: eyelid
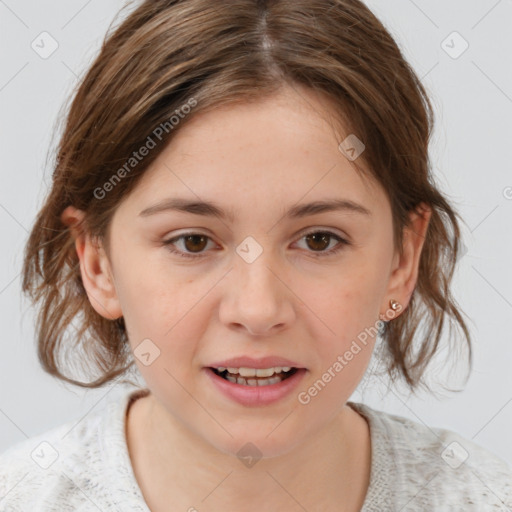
column 320, row 229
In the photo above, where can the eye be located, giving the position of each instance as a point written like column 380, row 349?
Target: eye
column 195, row 243
column 319, row 240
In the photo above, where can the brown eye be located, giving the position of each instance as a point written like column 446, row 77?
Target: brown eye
column 194, row 243
column 318, row 241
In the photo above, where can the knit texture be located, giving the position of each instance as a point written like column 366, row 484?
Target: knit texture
column 85, row 466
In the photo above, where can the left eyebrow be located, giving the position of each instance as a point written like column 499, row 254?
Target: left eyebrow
column 316, row 207
column 208, row 208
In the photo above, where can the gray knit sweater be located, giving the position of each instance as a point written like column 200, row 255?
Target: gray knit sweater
column 85, row 466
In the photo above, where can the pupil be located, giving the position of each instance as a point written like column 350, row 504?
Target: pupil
column 194, row 238
column 323, row 237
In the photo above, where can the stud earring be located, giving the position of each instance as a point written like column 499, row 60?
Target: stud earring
column 394, row 304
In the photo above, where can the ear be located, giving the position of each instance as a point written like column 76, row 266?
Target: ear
column 95, row 266
column 404, row 274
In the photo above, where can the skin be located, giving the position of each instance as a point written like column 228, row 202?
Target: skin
column 256, row 160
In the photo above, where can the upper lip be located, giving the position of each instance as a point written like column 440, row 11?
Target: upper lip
column 250, row 362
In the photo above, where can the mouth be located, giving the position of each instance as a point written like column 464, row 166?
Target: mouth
column 255, row 386
column 253, row 377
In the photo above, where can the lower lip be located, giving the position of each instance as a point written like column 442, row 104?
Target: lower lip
column 256, row 395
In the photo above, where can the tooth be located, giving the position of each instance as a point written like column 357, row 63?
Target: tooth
column 264, row 382
column 266, row 372
column 255, row 372
column 247, row 372
column 253, row 382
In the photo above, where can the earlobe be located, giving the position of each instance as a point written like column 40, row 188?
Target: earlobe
column 404, row 274
column 95, row 268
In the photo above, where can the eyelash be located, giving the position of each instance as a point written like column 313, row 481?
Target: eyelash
column 319, row 254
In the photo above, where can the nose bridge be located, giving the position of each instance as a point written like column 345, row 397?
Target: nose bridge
column 257, row 298
column 254, row 275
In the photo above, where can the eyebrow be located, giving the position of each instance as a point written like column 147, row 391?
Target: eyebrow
column 208, row 208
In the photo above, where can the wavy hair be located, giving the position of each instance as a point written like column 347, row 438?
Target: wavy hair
column 166, row 53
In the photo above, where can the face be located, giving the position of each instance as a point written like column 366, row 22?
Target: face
column 257, row 281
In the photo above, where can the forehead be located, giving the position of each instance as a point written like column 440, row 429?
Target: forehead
column 281, row 150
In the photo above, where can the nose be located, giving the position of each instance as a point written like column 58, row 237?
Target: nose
column 257, row 298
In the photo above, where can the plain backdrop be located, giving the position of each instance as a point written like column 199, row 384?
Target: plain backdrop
column 471, row 89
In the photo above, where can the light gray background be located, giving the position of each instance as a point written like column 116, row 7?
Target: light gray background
column 472, row 95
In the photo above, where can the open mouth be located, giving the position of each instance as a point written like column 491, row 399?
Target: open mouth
column 236, row 378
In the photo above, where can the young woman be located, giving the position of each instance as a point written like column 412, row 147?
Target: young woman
column 242, row 204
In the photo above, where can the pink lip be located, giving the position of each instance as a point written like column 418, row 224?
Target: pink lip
column 256, row 395
column 249, row 362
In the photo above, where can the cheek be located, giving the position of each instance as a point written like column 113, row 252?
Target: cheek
column 165, row 318
column 162, row 305
column 344, row 328
column 151, row 291
column 342, row 315
column 345, row 303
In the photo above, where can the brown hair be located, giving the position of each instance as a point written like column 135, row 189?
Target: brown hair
column 168, row 54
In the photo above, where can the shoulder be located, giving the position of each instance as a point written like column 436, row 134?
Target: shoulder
column 64, row 467
column 33, row 471
column 432, row 468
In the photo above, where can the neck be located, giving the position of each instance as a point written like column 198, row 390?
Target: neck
column 329, row 471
